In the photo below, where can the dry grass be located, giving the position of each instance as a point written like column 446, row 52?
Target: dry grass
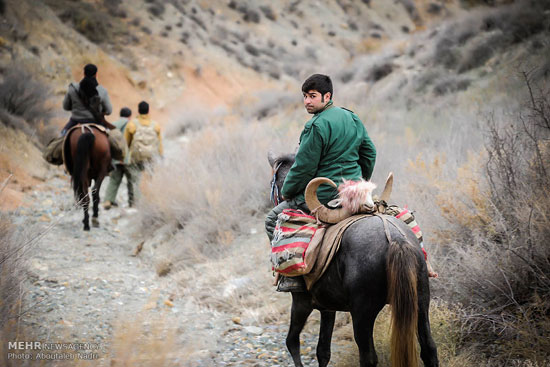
column 446, row 327
column 217, row 181
column 493, row 248
column 145, row 341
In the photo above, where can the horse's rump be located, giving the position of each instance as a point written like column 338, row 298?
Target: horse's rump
column 70, row 149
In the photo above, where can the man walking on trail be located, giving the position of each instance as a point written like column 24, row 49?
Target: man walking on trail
column 122, row 169
column 333, row 144
column 87, row 100
column 144, row 142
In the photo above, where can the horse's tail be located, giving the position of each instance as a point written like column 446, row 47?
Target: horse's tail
column 81, row 163
column 403, row 299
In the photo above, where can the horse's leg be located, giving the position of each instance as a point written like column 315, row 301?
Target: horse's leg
column 95, row 195
column 85, row 199
column 325, row 337
column 363, row 315
column 301, row 309
column 428, row 349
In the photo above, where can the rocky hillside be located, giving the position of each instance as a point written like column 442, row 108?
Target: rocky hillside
column 429, row 78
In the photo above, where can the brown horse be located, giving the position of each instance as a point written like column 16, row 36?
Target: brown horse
column 87, row 157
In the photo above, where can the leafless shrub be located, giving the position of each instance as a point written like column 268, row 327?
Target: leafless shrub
column 23, row 100
column 479, row 51
column 249, row 15
column 198, row 21
column 93, row 22
column 519, row 21
column 15, row 245
column 346, row 76
column 252, row 50
column 268, row 12
column 451, row 84
column 427, row 78
column 486, row 32
column 502, row 259
column 434, row 8
column 410, row 7
column 211, row 206
column 156, row 8
column 11, row 271
column 379, row 72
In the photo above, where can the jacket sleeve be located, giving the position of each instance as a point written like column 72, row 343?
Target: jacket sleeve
column 67, row 102
column 129, row 132
column 307, row 161
column 161, row 149
column 367, row 156
column 106, row 102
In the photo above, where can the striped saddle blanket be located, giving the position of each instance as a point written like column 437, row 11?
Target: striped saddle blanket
column 293, row 233
column 295, row 230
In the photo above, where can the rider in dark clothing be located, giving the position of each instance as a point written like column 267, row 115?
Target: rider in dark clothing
column 79, row 95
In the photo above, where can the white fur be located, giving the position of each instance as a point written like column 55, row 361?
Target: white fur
column 356, row 195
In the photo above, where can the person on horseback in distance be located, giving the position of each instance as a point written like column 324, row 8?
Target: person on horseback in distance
column 333, row 144
column 87, row 100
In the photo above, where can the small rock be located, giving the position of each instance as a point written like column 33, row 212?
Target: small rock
column 168, row 303
column 254, row 330
column 45, row 218
column 236, row 320
column 47, row 202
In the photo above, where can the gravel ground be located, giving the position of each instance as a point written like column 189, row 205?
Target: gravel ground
column 88, row 287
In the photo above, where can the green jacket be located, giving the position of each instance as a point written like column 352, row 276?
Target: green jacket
column 333, row 144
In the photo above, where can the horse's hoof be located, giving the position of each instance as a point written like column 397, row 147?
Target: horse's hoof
column 86, row 228
column 95, row 222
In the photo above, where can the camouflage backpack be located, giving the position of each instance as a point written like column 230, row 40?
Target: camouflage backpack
column 145, row 143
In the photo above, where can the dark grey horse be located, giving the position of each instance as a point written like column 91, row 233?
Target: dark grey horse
column 367, row 273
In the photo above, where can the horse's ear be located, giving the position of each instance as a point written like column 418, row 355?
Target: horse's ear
column 271, row 157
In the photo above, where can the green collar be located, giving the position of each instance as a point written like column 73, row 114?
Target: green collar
column 329, row 105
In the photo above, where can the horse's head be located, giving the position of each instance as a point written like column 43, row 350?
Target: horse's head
column 280, row 165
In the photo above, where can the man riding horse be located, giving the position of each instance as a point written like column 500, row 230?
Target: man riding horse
column 87, row 150
column 87, row 100
column 333, row 144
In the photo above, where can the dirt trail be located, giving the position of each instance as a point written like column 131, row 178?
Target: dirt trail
column 88, row 287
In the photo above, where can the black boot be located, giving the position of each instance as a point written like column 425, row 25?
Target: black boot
column 291, row 284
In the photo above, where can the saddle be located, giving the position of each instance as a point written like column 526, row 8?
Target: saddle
column 117, row 143
column 65, row 146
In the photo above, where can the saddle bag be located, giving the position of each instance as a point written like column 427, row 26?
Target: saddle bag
column 53, row 153
column 118, row 145
column 406, row 216
column 293, row 233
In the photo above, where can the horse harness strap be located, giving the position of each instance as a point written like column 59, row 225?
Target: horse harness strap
column 275, row 194
column 387, row 229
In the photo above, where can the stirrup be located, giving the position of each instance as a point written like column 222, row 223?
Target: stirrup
column 291, row 284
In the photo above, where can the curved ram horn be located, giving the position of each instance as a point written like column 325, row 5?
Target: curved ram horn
column 322, row 212
column 387, row 189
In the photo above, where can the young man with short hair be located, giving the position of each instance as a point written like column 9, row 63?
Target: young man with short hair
column 144, row 140
column 121, row 168
column 333, row 144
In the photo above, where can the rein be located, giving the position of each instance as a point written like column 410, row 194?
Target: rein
column 275, row 195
